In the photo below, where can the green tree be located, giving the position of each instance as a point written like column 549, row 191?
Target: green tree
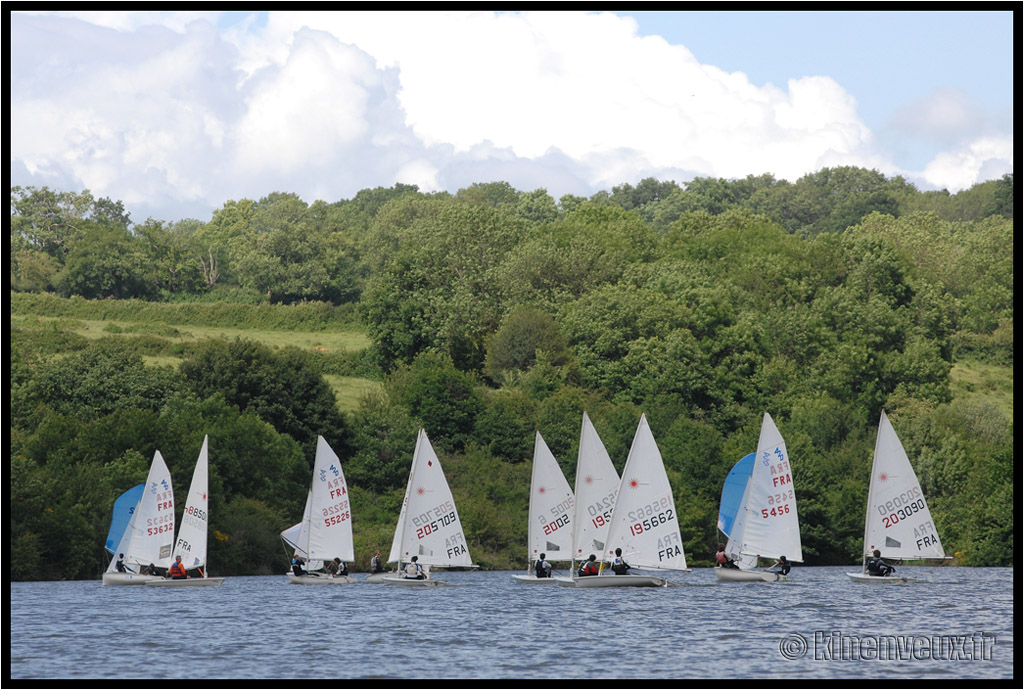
column 106, row 262
column 525, row 332
column 286, row 389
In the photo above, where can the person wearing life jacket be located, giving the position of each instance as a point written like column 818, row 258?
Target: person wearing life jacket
column 877, row 567
column 619, row 565
column 177, row 570
column 337, row 568
column 783, row 566
column 297, row 564
column 723, row 560
column 542, row 568
column 414, row 571
column 588, row 567
column 375, row 564
column 120, row 566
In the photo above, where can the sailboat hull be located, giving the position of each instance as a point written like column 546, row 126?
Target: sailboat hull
column 613, row 581
column 311, row 579
column 400, row 581
column 378, row 578
column 736, row 575
column 879, row 580
column 121, row 579
column 190, row 582
column 534, row 580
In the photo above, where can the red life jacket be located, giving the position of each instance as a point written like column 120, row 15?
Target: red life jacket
column 177, row 570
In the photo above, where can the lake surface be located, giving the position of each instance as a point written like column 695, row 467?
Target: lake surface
column 958, row 624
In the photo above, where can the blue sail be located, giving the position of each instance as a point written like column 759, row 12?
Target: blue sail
column 732, row 492
column 124, row 506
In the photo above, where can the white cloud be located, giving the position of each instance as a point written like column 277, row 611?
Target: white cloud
column 982, row 159
column 164, row 112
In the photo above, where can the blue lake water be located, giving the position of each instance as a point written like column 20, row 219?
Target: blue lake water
column 957, row 624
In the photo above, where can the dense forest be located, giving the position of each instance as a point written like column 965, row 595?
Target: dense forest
column 486, row 314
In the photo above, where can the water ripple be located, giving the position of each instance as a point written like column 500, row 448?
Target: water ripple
column 484, row 625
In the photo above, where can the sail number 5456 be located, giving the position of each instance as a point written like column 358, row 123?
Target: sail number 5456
column 777, row 511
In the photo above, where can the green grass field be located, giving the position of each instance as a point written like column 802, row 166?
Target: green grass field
column 347, row 389
column 979, row 381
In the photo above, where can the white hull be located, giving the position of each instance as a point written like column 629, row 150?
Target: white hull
column 879, row 580
column 128, row 578
column 737, row 575
column 613, row 581
column 400, row 581
column 378, row 578
column 534, row 580
column 311, row 579
column 190, row 582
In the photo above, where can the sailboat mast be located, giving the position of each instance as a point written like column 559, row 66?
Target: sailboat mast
column 871, row 494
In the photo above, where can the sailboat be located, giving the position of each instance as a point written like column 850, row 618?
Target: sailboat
column 597, row 486
column 644, row 524
column 898, row 522
column 192, row 534
column 326, row 528
column 428, row 527
column 149, row 534
column 550, row 517
column 766, row 524
column 121, row 516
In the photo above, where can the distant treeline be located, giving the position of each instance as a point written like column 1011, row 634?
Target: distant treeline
column 495, row 312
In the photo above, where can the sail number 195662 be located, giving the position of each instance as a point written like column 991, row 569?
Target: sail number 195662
column 650, row 523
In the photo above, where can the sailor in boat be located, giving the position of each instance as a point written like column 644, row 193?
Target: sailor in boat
column 121, row 567
column 414, row 571
column 619, row 565
column 297, row 564
column 877, row 567
column 724, row 561
column 542, row 568
column 375, row 564
column 177, row 570
column 782, row 565
column 337, row 568
column 150, row 570
column 588, row 567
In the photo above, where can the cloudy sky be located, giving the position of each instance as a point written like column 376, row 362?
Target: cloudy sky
column 176, row 113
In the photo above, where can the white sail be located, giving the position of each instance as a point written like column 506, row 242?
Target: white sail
column 743, row 560
column 644, row 523
column 551, row 507
column 767, row 524
column 898, row 521
column 329, row 534
column 195, row 520
column 296, row 536
column 430, row 527
column 597, row 485
column 149, row 537
column 395, row 554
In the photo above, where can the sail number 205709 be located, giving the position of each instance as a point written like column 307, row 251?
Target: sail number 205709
column 430, row 527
